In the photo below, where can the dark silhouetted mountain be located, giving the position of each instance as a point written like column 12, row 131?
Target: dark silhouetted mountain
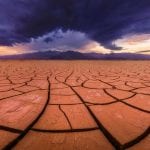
column 72, row 55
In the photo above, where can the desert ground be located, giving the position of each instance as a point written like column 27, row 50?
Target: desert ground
column 75, row 105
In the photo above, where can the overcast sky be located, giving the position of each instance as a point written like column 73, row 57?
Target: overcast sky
column 102, row 26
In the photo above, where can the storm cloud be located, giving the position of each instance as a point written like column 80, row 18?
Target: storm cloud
column 103, row 21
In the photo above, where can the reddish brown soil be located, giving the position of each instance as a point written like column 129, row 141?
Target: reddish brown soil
column 75, row 105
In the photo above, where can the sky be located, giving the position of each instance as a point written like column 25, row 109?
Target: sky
column 102, row 26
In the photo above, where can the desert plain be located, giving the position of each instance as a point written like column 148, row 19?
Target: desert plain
column 74, row 105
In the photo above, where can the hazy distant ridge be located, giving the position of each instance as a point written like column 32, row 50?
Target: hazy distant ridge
column 71, row 55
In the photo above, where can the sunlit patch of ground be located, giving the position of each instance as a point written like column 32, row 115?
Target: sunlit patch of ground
column 83, row 105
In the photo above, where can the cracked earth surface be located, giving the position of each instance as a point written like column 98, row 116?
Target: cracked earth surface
column 75, row 105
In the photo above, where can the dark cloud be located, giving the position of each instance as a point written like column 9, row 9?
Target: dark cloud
column 48, row 39
column 102, row 20
column 146, row 51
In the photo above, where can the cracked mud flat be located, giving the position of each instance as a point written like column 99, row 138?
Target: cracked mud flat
column 75, row 105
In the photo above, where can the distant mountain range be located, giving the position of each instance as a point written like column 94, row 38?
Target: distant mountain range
column 72, row 55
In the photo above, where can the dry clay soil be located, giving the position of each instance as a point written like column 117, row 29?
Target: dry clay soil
column 75, row 105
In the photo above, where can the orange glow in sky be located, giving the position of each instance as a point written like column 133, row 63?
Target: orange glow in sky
column 134, row 43
column 130, row 44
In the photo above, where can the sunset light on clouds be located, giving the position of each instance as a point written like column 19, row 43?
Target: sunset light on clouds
column 100, row 26
column 77, row 41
